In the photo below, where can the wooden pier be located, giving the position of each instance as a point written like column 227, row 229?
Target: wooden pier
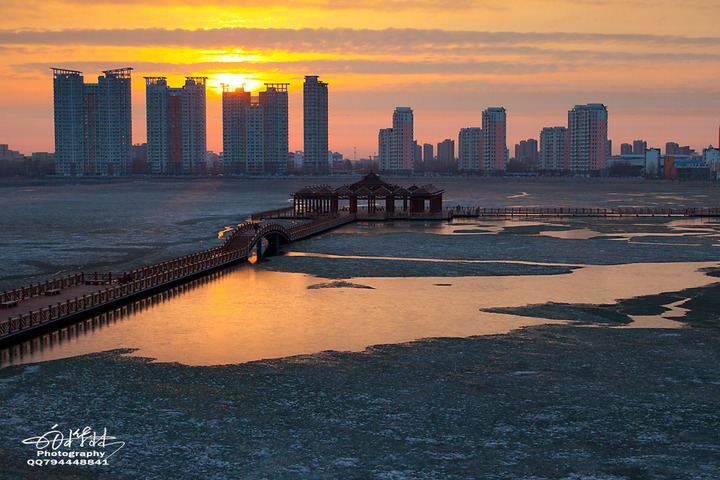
column 583, row 212
column 85, row 294
column 37, row 308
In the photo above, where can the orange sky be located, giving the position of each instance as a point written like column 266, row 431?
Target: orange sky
column 655, row 64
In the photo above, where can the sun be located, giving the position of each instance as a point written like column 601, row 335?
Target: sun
column 231, row 80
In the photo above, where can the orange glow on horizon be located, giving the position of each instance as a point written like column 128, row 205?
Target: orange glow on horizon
column 217, row 80
column 537, row 59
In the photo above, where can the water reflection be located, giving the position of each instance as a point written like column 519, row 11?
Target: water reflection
column 57, row 343
column 250, row 314
column 578, row 228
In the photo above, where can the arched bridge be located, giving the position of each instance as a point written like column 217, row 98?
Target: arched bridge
column 250, row 235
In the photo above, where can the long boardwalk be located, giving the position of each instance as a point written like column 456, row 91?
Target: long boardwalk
column 37, row 308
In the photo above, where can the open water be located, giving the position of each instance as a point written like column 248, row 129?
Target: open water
column 359, row 285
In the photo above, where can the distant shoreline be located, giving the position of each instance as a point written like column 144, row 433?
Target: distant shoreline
column 8, row 182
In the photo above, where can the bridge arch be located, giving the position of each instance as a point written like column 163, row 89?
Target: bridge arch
column 275, row 234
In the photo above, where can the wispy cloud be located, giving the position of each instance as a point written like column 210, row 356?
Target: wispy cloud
column 329, row 40
column 373, row 5
column 328, row 67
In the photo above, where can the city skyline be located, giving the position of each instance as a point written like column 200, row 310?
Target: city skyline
column 93, row 121
column 536, row 59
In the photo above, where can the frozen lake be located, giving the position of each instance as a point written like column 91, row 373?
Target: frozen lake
column 356, row 286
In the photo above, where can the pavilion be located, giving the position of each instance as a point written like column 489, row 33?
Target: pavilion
column 371, row 190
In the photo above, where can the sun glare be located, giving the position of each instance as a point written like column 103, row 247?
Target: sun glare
column 233, row 81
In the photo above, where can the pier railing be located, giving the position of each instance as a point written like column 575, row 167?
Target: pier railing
column 126, row 284
column 38, row 289
column 306, row 229
column 586, row 212
column 242, row 229
column 278, row 212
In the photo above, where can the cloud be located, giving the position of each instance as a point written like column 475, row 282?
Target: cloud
column 326, row 5
column 335, row 39
column 327, row 67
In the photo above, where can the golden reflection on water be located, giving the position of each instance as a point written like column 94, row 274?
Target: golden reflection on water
column 250, row 314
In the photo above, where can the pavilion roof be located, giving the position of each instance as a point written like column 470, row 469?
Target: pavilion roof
column 432, row 189
column 371, row 182
column 382, row 191
column 362, row 191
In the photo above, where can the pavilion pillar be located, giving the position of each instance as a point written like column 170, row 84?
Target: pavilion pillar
column 334, row 205
column 436, row 204
column 390, row 204
column 417, row 205
column 353, row 204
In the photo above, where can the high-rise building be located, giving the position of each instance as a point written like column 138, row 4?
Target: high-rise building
column 93, row 123
column 384, row 148
column 274, row 102
column 417, row 154
column 194, row 125
column 554, row 149
column 445, row 153
column 711, row 157
column 254, row 138
column 255, row 130
column 639, row 147
column 402, row 140
column 70, row 126
column 587, row 128
column 315, row 126
column 626, row 149
column 494, row 128
column 428, row 154
column 297, row 160
column 469, row 149
column 526, row 152
column 396, row 145
column 234, row 102
column 176, row 126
